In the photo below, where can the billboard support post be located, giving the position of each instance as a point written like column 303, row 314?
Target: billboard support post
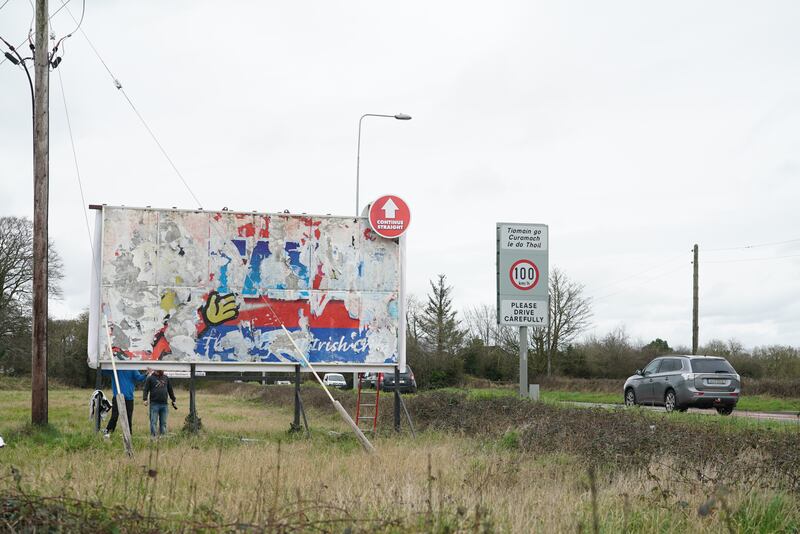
column 397, row 399
column 296, row 422
column 523, row 361
column 192, row 400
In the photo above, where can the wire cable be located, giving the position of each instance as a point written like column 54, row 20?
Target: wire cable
column 4, row 4
column 771, row 244
column 754, row 259
column 669, row 261
column 30, row 32
column 662, row 275
column 119, row 87
column 67, row 36
column 75, row 159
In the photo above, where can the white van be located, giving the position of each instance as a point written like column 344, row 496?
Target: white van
column 334, row 380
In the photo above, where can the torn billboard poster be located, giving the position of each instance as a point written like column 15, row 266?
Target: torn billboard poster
column 219, row 287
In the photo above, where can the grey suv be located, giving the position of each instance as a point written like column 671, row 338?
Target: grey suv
column 682, row 382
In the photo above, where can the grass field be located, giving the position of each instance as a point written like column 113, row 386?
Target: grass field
column 442, row 481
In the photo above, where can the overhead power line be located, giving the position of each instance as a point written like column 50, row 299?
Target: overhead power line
column 754, row 259
column 30, row 30
column 75, row 159
column 661, row 275
column 121, row 89
column 668, row 261
column 744, row 247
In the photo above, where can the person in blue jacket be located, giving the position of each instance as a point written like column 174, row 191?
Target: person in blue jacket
column 127, row 383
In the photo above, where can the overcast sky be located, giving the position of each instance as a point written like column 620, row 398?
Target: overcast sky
column 633, row 129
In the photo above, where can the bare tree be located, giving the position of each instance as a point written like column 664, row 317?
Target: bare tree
column 570, row 314
column 413, row 312
column 481, row 321
column 16, row 272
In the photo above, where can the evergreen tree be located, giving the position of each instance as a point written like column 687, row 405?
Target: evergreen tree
column 441, row 334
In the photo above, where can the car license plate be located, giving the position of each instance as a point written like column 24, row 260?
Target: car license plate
column 716, row 381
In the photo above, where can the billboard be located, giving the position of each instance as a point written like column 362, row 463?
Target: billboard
column 180, row 286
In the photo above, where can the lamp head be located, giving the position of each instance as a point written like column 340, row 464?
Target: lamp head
column 402, row 117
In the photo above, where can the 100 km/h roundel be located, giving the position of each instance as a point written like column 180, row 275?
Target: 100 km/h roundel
column 524, row 274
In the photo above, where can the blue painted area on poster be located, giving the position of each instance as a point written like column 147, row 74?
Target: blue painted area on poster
column 293, row 250
column 260, row 253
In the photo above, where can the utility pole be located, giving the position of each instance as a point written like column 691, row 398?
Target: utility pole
column 41, row 156
column 694, row 302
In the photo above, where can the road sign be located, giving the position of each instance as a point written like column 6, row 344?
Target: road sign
column 389, row 216
column 522, row 274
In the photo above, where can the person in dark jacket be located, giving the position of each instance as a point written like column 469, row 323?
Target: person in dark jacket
column 158, row 387
column 127, row 383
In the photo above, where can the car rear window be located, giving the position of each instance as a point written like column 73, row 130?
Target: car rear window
column 711, row 365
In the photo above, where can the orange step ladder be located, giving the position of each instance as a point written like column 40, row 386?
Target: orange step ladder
column 369, row 401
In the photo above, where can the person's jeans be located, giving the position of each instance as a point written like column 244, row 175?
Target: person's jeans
column 158, row 414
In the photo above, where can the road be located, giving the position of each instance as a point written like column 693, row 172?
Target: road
column 786, row 417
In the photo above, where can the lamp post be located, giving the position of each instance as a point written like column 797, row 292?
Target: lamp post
column 399, row 116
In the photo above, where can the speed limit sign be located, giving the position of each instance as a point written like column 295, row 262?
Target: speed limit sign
column 524, row 274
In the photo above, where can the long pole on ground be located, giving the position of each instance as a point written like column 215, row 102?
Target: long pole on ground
column 523, row 361
column 695, row 298
column 122, row 409
column 40, row 200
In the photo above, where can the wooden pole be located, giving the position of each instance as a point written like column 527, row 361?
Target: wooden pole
column 695, row 295
column 40, row 209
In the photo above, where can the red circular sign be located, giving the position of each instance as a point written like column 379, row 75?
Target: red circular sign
column 389, row 216
column 524, row 274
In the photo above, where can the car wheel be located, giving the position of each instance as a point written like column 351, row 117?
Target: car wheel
column 669, row 401
column 725, row 410
column 630, row 397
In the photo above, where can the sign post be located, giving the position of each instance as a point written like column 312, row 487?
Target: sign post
column 522, row 284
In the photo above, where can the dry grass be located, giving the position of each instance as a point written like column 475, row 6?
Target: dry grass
column 471, row 482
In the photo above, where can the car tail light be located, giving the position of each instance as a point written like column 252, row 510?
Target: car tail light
column 734, row 394
column 699, row 394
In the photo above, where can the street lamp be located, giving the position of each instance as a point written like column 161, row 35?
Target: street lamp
column 399, row 116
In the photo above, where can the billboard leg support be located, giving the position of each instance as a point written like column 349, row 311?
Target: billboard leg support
column 298, row 404
column 523, row 361
column 192, row 400
column 397, row 399
column 408, row 417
